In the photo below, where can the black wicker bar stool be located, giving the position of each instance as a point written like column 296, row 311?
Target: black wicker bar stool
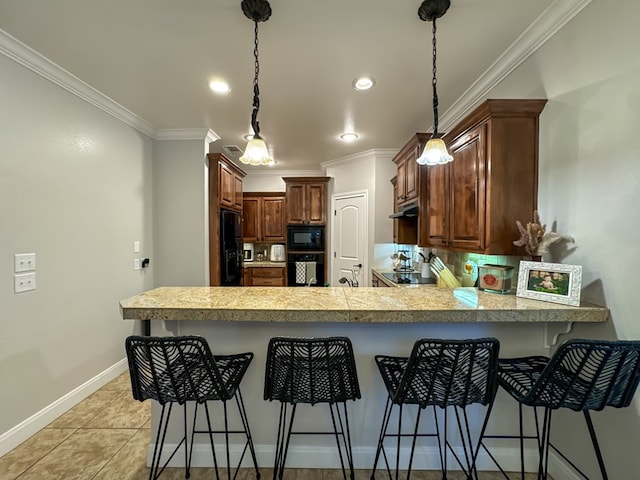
column 180, row 370
column 582, row 375
column 311, row 371
column 439, row 373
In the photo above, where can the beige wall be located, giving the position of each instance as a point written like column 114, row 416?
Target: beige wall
column 590, row 187
column 75, row 189
column 180, row 195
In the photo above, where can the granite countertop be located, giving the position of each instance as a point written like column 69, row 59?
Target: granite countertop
column 344, row 304
column 264, row 264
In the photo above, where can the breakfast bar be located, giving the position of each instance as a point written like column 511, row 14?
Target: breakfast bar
column 378, row 321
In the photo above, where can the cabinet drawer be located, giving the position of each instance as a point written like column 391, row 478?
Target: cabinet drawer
column 267, row 272
column 267, row 282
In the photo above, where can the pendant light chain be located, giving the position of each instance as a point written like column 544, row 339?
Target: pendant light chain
column 434, row 82
column 256, row 89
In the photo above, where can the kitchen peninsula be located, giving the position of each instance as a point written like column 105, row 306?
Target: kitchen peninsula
column 339, row 304
column 378, row 321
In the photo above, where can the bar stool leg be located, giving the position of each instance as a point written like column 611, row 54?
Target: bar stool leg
column 213, row 447
column 245, row 424
column 596, row 446
column 383, row 429
column 284, row 437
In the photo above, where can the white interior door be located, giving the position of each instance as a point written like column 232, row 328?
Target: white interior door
column 349, row 244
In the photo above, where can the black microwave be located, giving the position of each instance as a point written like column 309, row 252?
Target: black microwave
column 305, row 237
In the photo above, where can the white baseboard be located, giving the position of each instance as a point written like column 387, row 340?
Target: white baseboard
column 427, row 458
column 32, row 425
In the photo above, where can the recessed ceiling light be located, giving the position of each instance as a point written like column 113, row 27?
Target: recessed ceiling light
column 219, row 86
column 349, row 137
column 363, row 83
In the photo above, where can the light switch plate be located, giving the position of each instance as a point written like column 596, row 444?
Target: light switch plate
column 24, row 262
column 136, row 246
column 24, row 282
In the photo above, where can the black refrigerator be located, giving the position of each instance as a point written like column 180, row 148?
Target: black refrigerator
column 230, row 248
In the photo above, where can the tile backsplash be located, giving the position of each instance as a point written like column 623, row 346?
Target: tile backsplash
column 455, row 260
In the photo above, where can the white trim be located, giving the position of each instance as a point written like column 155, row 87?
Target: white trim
column 559, row 468
column 205, row 134
column 371, row 153
column 542, row 29
column 287, row 173
column 310, row 456
column 29, row 427
column 29, row 58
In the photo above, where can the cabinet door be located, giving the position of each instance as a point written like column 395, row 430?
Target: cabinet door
column 411, row 176
column 401, row 183
column 246, row 277
column 467, row 194
column 316, row 205
column 237, row 192
column 273, row 224
column 437, row 205
column 227, row 179
column 295, row 203
column 251, row 224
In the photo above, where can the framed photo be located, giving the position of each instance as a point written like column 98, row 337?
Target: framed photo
column 551, row 282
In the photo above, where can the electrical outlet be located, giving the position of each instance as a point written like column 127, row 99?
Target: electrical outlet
column 24, row 262
column 24, row 282
column 136, row 264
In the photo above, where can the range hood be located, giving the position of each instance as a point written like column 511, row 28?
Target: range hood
column 408, row 210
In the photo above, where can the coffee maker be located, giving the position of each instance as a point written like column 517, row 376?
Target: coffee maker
column 247, row 250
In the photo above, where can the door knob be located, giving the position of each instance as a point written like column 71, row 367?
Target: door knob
column 358, row 265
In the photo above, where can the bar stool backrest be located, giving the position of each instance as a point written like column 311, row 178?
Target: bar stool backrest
column 174, row 369
column 589, row 375
column 311, row 370
column 450, row 372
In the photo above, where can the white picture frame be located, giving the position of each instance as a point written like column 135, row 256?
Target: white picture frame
column 550, row 282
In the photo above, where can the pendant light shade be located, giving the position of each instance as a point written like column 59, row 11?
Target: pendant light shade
column 435, row 151
column 256, row 152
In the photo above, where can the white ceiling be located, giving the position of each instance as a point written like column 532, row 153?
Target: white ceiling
column 156, row 58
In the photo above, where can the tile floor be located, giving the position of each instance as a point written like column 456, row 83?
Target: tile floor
column 105, row 437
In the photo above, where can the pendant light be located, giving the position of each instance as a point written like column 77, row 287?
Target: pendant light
column 256, row 152
column 435, row 151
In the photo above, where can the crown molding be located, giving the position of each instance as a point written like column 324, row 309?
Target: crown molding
column 366, row 154
column 205, row 134
column 557, row 15
column 14, row 49
column 286, row 173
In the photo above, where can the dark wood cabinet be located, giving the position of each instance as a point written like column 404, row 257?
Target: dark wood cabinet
column 306, row 200
column 230, row 183
column 409, row 171
column 264, row 217
column 265, row 277
column 225, row 191
column 472, row 203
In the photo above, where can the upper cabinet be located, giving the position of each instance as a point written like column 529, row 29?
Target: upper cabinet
column 264, row 217
column 408, row 179
column 472, row 203
column 306, row 200
column 230, row 181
